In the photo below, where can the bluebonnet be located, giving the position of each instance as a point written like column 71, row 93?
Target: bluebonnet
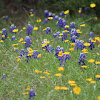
column 46, row 13
column 31, row 11
column 48, row 30
column 64, row 58
column 64, row 36
column 15, row 49
column 45, row 20
column 13, row 38
column 91, row 34
column 28, row 41
column 55, row 35
column 50, row 14
column 29, row 29
column 4, row 32
column 56, row 17
column 61, row 23
column 72, row 25
column 5, row 17
column 85, row 9
column 35, row 54
column 79, row 45
column 57, row 50
column 73, row 38
column 12, row 27
column 91, row 44
column 22, row 52
column 74, row 32
column 31, row 94
column 47, row 47
column 4, row 76
column 82, row 59
column 62, row 14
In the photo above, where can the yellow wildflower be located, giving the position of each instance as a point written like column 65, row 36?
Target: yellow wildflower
column 86, row 44
column 66, row 40
column 82, row 25
column 35, row 28
column 84, row 66
column 98, row 98
column 58, row 74
column 71, row 82
column 97, row 76
column 18, row 59
column 60, row 68
column 50, row 18
column 25, row 93
column 3, row 36
column 66, row 12
column 32, row 15
column 42, row 77
column 28, row 88
column 71, row 49
column 63, row 88
column 39, row 56
column 89, row 79
column 92, row 82
column 72, row 44
column 24, row 28
column 98, row 62
column 66, row 26
column 57, row 88
column 92, row 5
column 1, row 41
column 91, row 60
column 15, row 30
column 38, row 20
column 77, row 90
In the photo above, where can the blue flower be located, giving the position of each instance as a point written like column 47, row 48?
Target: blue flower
column 4, row 76
column 91, row 34
column 46, row 13
column 72, row 25
column 48, row 30
column 13, row 38
column 82, row 59
column 22, row 52
column 35, row 54
column 4, row 32
column 29, row 29
column 91, row 44
column 28, row 42
column 31, row 11
column 12, row 27
column 73, row 38
column 45, row 20
column 31, row 94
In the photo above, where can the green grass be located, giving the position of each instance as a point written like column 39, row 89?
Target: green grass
column 21, row 74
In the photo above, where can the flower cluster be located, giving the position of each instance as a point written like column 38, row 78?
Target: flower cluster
column 13, row 29
column 82, row 59
column 4, row 34
column 27, row 41
column 46, row 46
column 29, row 29
column 48, row 30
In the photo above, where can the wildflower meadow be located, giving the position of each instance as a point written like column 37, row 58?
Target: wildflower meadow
column 51, row 57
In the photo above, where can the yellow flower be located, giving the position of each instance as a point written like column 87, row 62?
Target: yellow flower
column 0, row 31
column 97, row 76
column 72, row 44
column 20, row 40
column 60, row 53
column 32, row 15
column 42, row 77
column 23, row 42
column 66, row 31
column 15, row 44
column 58, row 74
column 91, row 60
column 71, row 82
column 43, row 45
column 44, row 29
column 61, row 34
column 89, row 79
column 97, row 38
column 46, row 42
column 57, row 88
column 66, row 53
column 92, row 82
column 98, row 62
column 66, row 40
column 60, row 68
column 92, row 5
column 49, row 77
column 28, row 88
column 79, row 11
column 25, row 93
column 77, row 90
column 84, row 66
column 18, row 59
column 38, row 20
column 36, row 71
column 98, row 98
column 3, row 36
column 96, row 18
column 66, row 12
column 71, row 49
column 86, row 44
column 99, row 45
column 85, row 50
column 46, row 73
column 24, row 28
column 15, row 30
column 39, row 56
column 64, row 88
column 50, row 18
column 35, row 28
column 66, row 26
column 82, row 25
column 1, row 41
